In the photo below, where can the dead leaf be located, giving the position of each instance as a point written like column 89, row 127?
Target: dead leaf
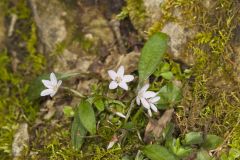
column 155, row 127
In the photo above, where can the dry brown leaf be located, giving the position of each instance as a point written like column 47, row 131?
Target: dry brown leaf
column 155, row 127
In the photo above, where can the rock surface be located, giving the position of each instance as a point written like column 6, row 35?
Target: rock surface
column 48, row 16
column 20, row 141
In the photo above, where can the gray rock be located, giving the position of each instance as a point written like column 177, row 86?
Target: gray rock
column 20, row 141
column 153, row 8
column 179, row 36
column 48, row 16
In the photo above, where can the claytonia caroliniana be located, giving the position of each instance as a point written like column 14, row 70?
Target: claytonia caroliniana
column 119, row 79
column 148, row 99
column 52, row 86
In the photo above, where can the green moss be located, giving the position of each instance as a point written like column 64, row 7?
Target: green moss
column 137, row 13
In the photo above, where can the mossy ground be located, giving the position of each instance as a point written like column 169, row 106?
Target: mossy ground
column 211, row 96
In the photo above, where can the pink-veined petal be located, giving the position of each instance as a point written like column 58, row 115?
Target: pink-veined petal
column 128, row 78
column 123, row 85
column 113, row 85
column 53, row 79
column 46, row 92
column 47, row 83
column 149, row 94
column 112, row 74
column 153, row 107
column 144, row 88
column 150, row 112
column 145, row 103
column 138, row 100
column 120, row 71
column 154, row 99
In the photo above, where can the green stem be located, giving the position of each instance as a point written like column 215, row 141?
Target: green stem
column 130, row 109
column 74, row 92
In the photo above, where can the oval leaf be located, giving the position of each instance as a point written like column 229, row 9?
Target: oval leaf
column 151, row 55
column 203, row 155
column 212, row 142
column 193, row 138
column 77, row 132
column 157, row 152
column 87, row 116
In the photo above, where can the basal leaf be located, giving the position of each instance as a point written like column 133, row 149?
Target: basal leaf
column 193, row 138
column 87, row 116
column 170, row 94
column 212, row 142
column 77, row 132
column 203, row 155
column 157, row 152
column 37, row 86
column 99, row 104
column 151, row 55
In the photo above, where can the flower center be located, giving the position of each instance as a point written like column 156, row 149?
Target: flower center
column 118, row 79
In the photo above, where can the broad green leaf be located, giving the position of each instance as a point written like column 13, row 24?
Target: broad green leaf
column 99, row 104
column 167, row 75
column 203, row 155
column 151, row 55
column 193, row 138
column 77, row 132
column 170, row 95
column 212, row 142
column 68, row 111
column 37, row 86
column 157, row 152
column 87, row 116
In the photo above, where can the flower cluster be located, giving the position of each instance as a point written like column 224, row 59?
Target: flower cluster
column 148, row 99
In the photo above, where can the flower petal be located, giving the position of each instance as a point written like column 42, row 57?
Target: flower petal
column 123, row 85
column 59, row 83
column 153, row 107
column 53, row 79
column 138, row 100
column 53, row 93
column 120, row 71
column 149, row 94
column 145, row 103
column 128, row 78
column 113, row 85
column 154, row 99
column 144, row 88
column 150, row 112
column 112, row 74
column 46, row 92
column 47, row 83
column 120, row 114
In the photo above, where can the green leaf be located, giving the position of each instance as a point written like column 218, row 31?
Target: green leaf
column 170, row 94
column 157, row 152
column 212, row 142
column 234, row 153
column 36, row 86
column 175, row 146
column 68, row 111
column 167, row 75
column 99, row 104
column 151, row 55
column 87, row 116
column 77, row 132
column 203, row 155
column 193, row 138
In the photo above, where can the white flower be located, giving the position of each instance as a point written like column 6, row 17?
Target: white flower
column 119, row 79
column 52, row 86
column 148, row 99
column 120, row 115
